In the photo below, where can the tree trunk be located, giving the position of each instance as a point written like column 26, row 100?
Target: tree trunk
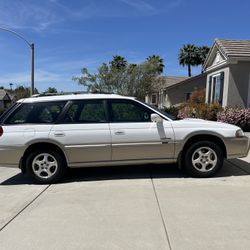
column 189, row 70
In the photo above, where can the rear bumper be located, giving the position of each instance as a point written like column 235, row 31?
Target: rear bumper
column 237, row 147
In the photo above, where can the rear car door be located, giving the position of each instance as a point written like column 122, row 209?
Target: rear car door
column 84, row 132
column 134, row 136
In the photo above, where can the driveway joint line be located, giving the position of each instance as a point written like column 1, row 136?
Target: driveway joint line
column 14, row 217
column 159, row 207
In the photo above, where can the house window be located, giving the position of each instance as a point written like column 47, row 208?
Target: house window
column 154, row 99
column 187, row 96
column 215, row 88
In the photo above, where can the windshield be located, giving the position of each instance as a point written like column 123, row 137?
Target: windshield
column 161, row 112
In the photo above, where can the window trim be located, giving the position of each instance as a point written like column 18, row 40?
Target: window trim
column 212, row 86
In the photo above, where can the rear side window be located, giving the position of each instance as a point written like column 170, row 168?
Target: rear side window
column 87, row 111
column 40, row 113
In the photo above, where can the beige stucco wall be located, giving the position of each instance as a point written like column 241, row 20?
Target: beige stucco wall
column 176, row 95
column 239, row 85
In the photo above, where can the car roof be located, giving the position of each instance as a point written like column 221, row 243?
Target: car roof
column 73, row 97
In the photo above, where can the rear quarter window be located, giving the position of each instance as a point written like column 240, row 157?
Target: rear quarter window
column 36, row 113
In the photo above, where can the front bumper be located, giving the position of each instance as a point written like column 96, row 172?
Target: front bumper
column 237, row 147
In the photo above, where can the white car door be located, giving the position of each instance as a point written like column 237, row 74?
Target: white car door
column 84, row 133
column 134, row 136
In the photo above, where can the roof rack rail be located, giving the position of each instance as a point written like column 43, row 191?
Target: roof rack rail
column 101, row 92
column 59, row 93
column 72, row 93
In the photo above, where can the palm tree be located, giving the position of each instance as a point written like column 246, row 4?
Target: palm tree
column 188, row 56
column 155, row 59
column 118, row 62
column 202, row 55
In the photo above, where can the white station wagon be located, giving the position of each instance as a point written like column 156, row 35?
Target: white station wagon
column 45, row 135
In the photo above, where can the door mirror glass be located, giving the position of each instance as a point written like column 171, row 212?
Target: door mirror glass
column 156, row 118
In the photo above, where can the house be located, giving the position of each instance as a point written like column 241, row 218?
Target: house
column 176, row 90
column 5, row 99
column 227, row 67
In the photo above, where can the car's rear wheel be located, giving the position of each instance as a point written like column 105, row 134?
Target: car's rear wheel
column 203, row 159
column 46, row 166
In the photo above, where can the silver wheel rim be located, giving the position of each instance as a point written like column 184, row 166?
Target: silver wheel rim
column 44, row 165
column 204, row 159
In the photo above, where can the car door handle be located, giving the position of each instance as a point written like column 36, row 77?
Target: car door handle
column 59, row 133
column 119, row 133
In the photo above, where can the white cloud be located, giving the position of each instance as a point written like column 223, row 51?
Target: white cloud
column 44, row 15
column 140, row 5
column 26, row 15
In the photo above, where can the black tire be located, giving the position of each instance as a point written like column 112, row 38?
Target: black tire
column 51, row 172
column 203, row 159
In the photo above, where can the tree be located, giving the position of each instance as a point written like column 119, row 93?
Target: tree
column 202, row 55
column 51, row 90
column 155, row 59
column 123, row 78
column 188, row 56
column 21, row 92
column 118, row 63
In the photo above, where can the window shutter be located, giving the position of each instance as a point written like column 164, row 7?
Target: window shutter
column 221, row 86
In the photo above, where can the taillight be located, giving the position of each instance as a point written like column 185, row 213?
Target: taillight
column 1, row 131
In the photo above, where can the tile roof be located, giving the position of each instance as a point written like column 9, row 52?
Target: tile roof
column 2, row 93
column 172, row 80
column 234, row 48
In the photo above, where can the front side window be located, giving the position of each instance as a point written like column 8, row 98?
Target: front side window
column 129, row 111
column 40, row 113
column 87, row 111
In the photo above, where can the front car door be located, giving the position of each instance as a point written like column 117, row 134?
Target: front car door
column 84, row 133
column 134, row 136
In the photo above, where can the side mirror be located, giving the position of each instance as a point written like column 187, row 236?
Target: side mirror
column 156, row 118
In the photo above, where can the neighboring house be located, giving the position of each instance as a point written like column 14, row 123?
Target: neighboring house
column 5, row 99
column 228, row 73
column 176, row 90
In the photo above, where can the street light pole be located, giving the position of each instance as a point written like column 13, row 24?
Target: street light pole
column 32, row 90
column 32, row 47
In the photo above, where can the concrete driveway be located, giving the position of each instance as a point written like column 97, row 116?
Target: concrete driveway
column 146, row 207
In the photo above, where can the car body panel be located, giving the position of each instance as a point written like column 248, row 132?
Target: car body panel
column 142, row 140
column 83, row 142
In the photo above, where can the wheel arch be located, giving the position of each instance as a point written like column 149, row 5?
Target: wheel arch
column 39, row 145
column 202, row 137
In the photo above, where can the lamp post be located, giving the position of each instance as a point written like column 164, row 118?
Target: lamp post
column 32, row 47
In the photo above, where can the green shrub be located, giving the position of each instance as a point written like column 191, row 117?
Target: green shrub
column 172, row 110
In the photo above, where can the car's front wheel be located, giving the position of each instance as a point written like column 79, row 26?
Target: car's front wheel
column 45, row 166
column 203, row 159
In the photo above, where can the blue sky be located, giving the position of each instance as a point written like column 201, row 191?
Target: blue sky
column 69, row 35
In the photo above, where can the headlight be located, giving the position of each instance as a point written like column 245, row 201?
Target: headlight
column 239, row 133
